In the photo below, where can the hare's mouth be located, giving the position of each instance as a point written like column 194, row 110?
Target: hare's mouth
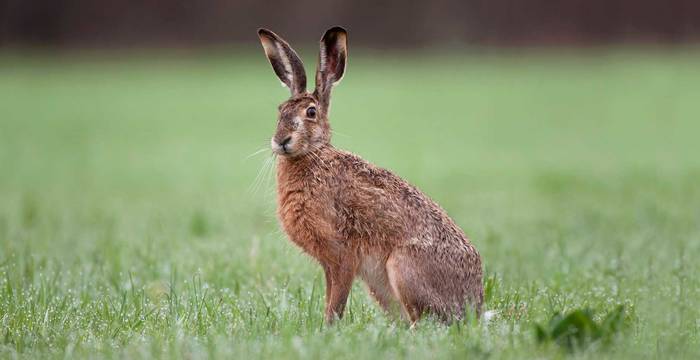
column 284, row 152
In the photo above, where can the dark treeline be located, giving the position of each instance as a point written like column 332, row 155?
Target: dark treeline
column 73, row 23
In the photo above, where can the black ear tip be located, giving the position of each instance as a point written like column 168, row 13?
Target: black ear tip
column 338, row 29
column 335, row 30
column 265, row 32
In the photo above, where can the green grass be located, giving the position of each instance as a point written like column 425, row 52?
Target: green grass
column 132, row 224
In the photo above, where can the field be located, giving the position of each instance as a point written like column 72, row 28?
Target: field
column 137, row 221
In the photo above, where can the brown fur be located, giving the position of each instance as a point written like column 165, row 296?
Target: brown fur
column 359, row 220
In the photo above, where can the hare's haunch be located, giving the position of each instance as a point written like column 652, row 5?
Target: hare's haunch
column 357, row 219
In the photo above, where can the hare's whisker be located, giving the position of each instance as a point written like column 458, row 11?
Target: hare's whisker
column 315, row 158
column 257, row 152
column 270, row 174
column 255, row 186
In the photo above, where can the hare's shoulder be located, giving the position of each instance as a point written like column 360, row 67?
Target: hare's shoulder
column 352, row 172
column 349, row 165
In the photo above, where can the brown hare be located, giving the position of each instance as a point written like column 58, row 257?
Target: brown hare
column 357, row 219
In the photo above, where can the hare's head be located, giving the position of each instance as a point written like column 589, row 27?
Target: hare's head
column 302, row 123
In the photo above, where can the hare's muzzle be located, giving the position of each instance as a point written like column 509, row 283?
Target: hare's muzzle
column 281, row 146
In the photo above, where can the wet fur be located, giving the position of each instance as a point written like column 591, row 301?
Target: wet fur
column 359, row 220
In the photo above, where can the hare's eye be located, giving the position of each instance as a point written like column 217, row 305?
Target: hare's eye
column 311, row 112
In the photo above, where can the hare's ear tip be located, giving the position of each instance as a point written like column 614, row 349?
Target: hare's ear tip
column 337, row 29
column 265, row 32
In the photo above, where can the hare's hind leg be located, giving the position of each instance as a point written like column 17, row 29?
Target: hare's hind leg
column 406, row 284
column 373, row 273
column 440, row 286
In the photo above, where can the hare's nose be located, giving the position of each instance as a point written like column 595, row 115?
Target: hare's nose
column 285, row 142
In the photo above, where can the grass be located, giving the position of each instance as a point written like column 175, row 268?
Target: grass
column 132, row 223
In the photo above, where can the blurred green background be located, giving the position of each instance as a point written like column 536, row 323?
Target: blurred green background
column 135, row 222
column 137, row 204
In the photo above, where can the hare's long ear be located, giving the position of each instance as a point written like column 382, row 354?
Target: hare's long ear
column 285, row 62
column 332, row 60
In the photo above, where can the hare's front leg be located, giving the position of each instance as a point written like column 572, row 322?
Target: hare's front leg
column 339, row 277
column 327, row 273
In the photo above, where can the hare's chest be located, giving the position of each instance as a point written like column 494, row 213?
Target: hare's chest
column 307, row 220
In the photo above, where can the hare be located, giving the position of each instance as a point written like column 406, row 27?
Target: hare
column 356, row 219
